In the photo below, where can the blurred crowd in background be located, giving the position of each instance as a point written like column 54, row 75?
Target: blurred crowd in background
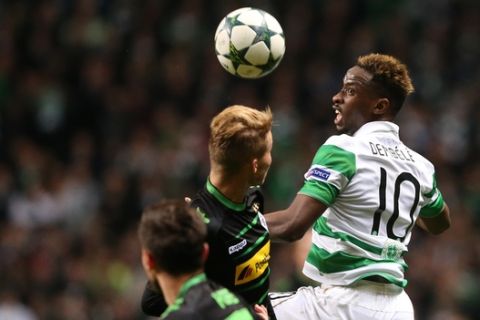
column 105, row 107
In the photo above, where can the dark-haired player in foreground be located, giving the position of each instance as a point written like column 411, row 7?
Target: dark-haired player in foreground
column 174, row 249
column 363, row 193
column 240, row 155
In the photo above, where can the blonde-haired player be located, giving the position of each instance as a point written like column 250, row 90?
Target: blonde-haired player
column 240, row 148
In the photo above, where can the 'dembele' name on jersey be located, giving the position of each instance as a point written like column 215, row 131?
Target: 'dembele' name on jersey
column 379, row 149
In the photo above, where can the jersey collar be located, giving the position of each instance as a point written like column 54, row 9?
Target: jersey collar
column 224, row 200
column 193, row 281
column 377, row 126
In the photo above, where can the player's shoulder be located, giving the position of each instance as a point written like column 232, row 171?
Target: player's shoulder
column 423, row 164
column 337, row 147
column 342, row 141
column 211, row 212
column 201, row 302
column 184, row 308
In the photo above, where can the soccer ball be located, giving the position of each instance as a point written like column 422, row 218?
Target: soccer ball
column 249, row 43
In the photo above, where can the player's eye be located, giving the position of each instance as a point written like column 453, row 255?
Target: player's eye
column 348, row 91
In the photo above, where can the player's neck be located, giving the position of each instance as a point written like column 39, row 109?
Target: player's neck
column 171, row 285
column 231, row 187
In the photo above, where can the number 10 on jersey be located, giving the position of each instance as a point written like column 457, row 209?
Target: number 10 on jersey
column 402, row 178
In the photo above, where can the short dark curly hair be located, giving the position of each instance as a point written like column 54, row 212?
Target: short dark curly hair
column 390, row 75
column 174, row 234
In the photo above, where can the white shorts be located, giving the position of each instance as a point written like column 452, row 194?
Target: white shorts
column 363, row 300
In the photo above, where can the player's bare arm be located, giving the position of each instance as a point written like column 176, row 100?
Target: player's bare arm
column 292, row 223
column 437, row 224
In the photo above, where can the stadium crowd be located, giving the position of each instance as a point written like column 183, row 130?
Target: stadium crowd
column 105, row 108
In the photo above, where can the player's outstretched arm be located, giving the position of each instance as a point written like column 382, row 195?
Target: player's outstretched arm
column 292, row 223
column 437, row 224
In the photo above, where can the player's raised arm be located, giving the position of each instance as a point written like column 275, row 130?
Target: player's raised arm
column 292, row 223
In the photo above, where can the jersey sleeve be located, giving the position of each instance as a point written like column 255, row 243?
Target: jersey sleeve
column 331, row 170
column 434, row 201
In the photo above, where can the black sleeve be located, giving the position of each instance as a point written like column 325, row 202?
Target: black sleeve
column 153, row 303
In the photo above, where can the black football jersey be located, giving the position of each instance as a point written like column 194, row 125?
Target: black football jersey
column 203, row 299
column 239, row 242
column 239, row 248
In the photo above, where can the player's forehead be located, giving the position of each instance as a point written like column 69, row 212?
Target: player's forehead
column 357, row 75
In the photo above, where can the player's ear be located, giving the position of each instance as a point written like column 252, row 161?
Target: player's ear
column 382, row 106
column 147, row 260
column 205, row 252
column 254, row 165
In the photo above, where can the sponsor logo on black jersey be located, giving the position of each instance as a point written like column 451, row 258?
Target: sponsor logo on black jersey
column 244, row 273
column 253, row 267
column 237, row 247
column 260, row 265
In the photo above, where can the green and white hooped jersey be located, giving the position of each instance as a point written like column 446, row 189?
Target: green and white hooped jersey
column 375, row 188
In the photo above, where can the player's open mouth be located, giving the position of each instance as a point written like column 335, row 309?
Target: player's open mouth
column 338, row 115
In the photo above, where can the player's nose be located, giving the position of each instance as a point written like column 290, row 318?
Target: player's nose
column 337, row 98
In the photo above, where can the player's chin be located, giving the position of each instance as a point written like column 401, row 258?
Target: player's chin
column 340, row 127
column 260, row 178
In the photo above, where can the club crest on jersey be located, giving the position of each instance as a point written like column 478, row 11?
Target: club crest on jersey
column 393, row 249
column 256, row 207
column 237, row 247
column 317, row 173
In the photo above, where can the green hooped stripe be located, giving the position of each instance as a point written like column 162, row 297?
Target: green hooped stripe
column 224, row 200
column 337, row 159
column 434, row 188
column 401, row 283
column 323, row 192
column 322, row 228
column 327, row 262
